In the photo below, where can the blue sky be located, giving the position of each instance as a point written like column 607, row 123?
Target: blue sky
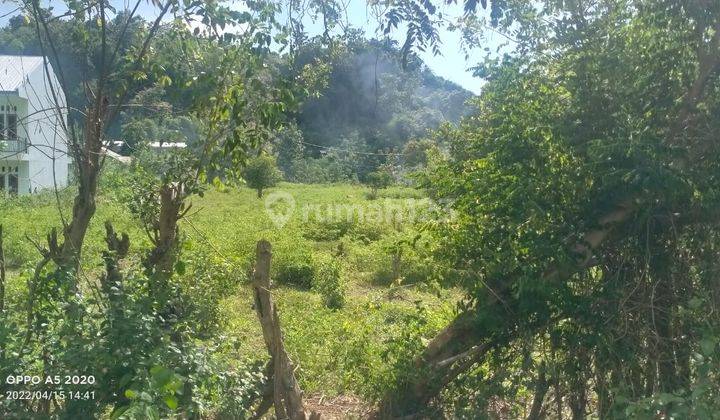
column 450, row 65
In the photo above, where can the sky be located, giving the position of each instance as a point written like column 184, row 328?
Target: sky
column 451, row 65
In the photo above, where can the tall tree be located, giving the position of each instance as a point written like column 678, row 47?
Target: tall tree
column 584, row 170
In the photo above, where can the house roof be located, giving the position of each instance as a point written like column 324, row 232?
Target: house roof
column 167, row 145
column 117, row 156
column 14, row 70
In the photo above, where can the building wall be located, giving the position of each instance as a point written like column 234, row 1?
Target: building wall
column 47, row 155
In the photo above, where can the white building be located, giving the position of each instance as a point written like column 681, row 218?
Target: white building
column 33, row 144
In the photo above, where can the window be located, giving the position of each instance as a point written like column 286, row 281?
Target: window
column 13, row 183
column 9, row 179
column 12, row 126
column 8, row 122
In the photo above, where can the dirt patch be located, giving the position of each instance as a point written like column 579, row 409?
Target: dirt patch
column 340, row 407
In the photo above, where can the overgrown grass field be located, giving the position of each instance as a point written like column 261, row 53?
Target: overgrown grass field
column 388, row 308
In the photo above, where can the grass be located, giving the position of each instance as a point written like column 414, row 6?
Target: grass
column 344, row 351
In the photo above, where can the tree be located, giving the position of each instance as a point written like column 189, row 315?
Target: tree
column 289, row 149
column 415, row 153
column 112, row 57
column 564, row 213
column 261, row 172
column 390, row 105
column 382, row 178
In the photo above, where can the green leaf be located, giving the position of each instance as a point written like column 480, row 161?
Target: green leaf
column 707, row 346
column 180, row 268
column 695, row 303
column 171, row 402
column 125, row 380
column 161, row 375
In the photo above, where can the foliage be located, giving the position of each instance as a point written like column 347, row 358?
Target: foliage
column 204, row 278
column 339, row 351
column 294, row 268
column 390, row 105
column 289, row 148
column 329, row 281
column 377, row 180
column 533, row 174
column 324, row 170
column 261, row 173
column 150, row 172
column 415, row 153
column 327, row 230
column 162, row 125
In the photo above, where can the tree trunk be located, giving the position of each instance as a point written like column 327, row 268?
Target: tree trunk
column 87, row 158
column 602, row 390
column 577, row 371
column 541, row 389
column 452, row 350
column 432, row 373
column 111, row 282
column 592, row 240
column 160, row 261
column 661, row 304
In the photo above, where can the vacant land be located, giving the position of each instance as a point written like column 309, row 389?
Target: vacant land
column 349, row 350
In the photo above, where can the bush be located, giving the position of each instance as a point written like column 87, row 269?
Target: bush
column 401, row 193
column 406, row 260
column 328, row 281
column 329, row 230
column 322, row 170
column 260, row 173
column 207, row 279
column 382, row 178
column 230, row 392
column 368, row 232
column 415, row 153
column 295, row 272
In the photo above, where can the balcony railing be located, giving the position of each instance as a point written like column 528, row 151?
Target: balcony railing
column 14, row 146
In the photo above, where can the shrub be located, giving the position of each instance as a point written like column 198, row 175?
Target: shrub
column 207, row 279
column 407, row 260
column 368, row 232
column 415, row 153
column 401, row 193
column 329, row 230
column 328, row 281
column 230, row 392
column 382, row 178
column 292, row 265
column 260, row 173
column 298, row 273
column 320, row 171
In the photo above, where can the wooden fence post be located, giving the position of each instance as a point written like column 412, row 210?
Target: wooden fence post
column 287, row 396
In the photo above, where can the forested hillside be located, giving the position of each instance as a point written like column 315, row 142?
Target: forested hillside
column 367, row 107
column 371, row 102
